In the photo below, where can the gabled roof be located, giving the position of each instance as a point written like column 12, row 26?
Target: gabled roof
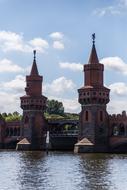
column 24, row 141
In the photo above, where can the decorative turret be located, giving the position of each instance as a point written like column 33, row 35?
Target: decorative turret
column 93, row 97
column 93, row 90
column 33, row 105
column 33, row 98
column 34, row 81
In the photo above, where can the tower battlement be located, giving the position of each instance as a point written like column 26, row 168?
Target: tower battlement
column 118, row 117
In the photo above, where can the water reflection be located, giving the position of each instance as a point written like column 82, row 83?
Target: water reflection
column 62, row 171
column 31, row 167
column 95, row 169
column 54, row 171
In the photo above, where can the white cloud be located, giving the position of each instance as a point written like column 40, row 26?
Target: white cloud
column 111, row 63
column 118, row 96
column 107, row 10
column 11, row 41
column 116, row 9
column 71, row 105
column 39, row 44
column 10, row 93
column 56, row 35
column 115, row 63
column 16, row 85
column 117, row 106
column 58, row 45
column 119, row 89
column 9, row 102
column 59, row 86
column 7, row 65
column 72, row 66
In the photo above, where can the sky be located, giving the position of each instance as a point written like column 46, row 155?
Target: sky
column 60, row 31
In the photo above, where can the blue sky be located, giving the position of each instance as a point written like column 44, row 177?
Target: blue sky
column 60, row 31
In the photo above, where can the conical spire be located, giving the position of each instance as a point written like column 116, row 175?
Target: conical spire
column 34, row 70
column 93, row 56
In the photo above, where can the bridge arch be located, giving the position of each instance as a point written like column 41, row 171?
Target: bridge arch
column 122, row 129
column 58, row 126
column 118, row 129
column 115, row 129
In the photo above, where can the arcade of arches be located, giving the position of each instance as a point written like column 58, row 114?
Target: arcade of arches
column 12, row 131
column 119, row 129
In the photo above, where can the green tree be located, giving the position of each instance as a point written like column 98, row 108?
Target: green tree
column 15, row 113
column 15, row 116
column 55, row 107
column 4, row 115
column 9, row 115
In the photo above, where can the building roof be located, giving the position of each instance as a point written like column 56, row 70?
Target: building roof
column 24, row 141
column 84, row 142
column 34, row 70
column 93, row 59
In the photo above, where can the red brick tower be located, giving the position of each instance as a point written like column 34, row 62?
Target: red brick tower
column 33, row 105
column 93, row 97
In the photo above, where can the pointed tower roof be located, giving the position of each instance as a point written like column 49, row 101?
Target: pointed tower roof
column 93, row 56
column 34, row 70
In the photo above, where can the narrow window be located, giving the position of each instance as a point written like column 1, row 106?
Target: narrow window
column 26, row 120
column 87, row 116
column 101, row 115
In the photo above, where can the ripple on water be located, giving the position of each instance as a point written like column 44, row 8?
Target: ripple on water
column 62, row 171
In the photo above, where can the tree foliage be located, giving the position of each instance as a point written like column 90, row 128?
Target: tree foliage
column 15, row 116
column 16, row 113
column 4, row 114
column 55, row 107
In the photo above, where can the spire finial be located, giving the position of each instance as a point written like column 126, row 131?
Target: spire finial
column 34, row 70
column 93, row 38
column 93, row 56
column 34, row 52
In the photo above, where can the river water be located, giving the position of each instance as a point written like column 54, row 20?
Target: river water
column 62, row 171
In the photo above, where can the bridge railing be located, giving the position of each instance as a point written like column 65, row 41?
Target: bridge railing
column 64, row 133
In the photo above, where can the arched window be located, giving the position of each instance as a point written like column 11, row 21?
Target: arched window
column 7, row 132
column 15, row 132
column 101, row 115
column 121, row 130
column 87, row 116
column 11, row 131
column 115, row 130
column 26, row 119
column 18, row 132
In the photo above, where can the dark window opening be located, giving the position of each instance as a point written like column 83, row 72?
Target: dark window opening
column 101, row 115
column 87, row 116
column 121, row 130
column 26, row 120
